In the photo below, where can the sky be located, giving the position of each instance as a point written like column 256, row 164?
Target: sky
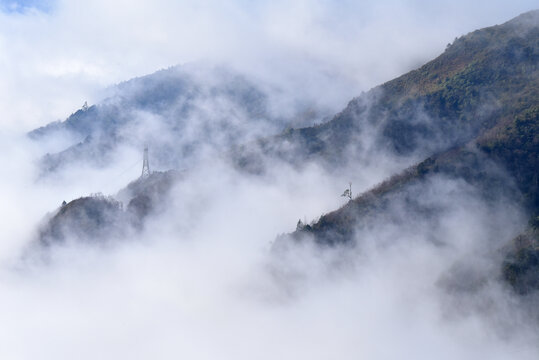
column 23, row 6
column 55, row 55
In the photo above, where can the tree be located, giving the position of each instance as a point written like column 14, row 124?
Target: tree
column 348, row 192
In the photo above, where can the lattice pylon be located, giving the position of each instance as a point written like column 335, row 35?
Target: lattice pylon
column 145, row 164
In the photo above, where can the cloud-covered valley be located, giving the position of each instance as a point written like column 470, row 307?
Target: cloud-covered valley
column 255, row 124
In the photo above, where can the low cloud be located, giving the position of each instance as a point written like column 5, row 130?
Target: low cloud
column 202, row 279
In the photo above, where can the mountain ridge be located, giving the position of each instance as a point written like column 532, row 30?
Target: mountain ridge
column 446, row 110
column 219, row 104
column 508, row 138
column 470, row 115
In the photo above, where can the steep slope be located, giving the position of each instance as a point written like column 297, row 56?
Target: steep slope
column 466, row 164
column 487, row 83
column 483, row 79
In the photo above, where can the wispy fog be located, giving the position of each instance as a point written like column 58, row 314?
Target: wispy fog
column 202, row 281
column 201, row 278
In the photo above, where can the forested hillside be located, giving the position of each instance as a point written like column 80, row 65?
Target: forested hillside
column 479, row 100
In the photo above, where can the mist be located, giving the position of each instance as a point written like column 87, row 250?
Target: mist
column 202, row 278
column 60, row 53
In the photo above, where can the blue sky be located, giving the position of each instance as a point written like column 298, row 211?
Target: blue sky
column 22, row 6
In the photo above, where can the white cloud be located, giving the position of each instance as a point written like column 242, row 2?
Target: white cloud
column 52, row 62
column 198, row 283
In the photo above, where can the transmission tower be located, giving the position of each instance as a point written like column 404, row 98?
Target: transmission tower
column 145, row 164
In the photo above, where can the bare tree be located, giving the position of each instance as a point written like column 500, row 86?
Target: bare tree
column 348, row 192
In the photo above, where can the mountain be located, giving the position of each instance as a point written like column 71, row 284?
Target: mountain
column 482, row 80
column 521, row 265
column 179, row 112
column 468, row 118
column 478, row 111
column 98, row 218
